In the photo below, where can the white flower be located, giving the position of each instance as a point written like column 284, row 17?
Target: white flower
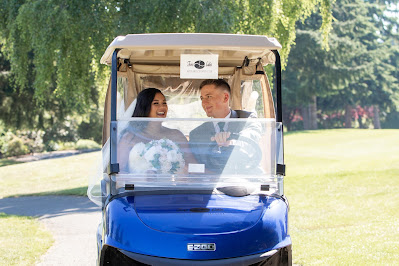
column 149, row 154
column 170, row 143
column 136, row 162
column 166, row 166
column 138, row 165
column 172, row 156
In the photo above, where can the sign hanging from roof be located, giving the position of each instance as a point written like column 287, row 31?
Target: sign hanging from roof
column 199, row 66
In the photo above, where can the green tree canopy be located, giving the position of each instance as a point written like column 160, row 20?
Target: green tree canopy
column 54, row 46
column 357, row 70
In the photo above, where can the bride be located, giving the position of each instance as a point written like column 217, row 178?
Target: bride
column 150, row 103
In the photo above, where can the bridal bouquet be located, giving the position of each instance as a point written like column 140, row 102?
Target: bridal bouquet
column 162, row 156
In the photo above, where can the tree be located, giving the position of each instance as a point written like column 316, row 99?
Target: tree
column 15, row 106
column 313, row 72
column 355, row 71
column 54, row 46
column 376, row 86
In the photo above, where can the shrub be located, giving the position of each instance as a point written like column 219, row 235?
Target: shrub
column 17, row 147
column 66, row 146
column 2, row 141
column 13, row 145
column 32, row 139
column 20, row 142
column 51, row 146
column 84, row 144
column 59, row 132
column 91, row 128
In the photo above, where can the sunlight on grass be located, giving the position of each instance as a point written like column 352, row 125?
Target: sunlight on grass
column 64, row 176
column 342, row 186
column 22, row 240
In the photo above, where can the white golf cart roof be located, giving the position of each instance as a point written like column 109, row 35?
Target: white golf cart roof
column 166, row 48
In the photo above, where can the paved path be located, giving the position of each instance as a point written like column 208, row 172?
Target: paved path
column 72, row 220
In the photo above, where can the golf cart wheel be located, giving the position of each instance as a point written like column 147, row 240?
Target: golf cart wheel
column 281, row 258
column 112, row 256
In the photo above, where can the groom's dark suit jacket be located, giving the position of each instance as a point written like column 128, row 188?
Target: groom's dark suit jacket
column 200, row 137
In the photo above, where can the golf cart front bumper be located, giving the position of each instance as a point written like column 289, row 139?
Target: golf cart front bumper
column 114, row 256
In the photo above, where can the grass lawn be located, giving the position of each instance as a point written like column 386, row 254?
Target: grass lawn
column 343, row 187
column 63, row 176
column 22, row 240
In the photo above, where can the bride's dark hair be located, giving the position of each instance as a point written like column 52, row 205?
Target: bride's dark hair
column 144, row 100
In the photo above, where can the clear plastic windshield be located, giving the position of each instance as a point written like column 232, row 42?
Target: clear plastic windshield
column 193, row 154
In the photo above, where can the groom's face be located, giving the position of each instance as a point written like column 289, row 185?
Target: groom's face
column 215, row 101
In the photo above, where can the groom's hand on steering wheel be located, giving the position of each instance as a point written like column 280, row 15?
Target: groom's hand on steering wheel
column 245, row 149
column 221, row 139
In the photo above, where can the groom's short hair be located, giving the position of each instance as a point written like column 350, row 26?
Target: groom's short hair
column 219, row 83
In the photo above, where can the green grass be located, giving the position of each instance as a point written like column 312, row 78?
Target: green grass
column 61, row 176
column 343, row 186
column 22, row 240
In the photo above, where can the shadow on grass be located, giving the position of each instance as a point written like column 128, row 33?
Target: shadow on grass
column 79, row 191
column 321, row 130
column 287, row 133
column 43, row 156
column 5, row 162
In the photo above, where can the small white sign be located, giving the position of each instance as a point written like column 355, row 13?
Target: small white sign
column 199, row 66
column 196, row 168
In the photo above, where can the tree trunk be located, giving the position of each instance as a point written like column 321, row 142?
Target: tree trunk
column 313, row 113
column 348, row 116
column 287, row 119
column 376, row 118
column 309, row 115
column 305, row 117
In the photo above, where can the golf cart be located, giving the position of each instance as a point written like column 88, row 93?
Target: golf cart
column 162, row 204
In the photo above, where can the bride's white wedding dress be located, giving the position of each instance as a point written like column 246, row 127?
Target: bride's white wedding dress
column 94, row 188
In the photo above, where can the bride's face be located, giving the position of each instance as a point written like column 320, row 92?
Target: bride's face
column 159, row 107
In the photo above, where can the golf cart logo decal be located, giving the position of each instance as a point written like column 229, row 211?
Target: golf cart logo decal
column 199, row 66
column 201, row 247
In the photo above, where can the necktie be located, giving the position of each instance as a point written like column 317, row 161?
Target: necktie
column 221, row 126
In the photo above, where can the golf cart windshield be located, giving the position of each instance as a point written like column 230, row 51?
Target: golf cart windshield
column 149, row 162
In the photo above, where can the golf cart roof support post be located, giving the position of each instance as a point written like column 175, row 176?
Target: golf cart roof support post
column 277, row 67
column 113, row 166
column 280, row 170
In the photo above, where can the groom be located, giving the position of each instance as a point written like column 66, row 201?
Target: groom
column 215, row 98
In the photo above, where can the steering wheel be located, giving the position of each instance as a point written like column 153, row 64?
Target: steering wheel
column 243, row 158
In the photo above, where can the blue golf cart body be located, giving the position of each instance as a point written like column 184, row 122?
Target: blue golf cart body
column 230, row 211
